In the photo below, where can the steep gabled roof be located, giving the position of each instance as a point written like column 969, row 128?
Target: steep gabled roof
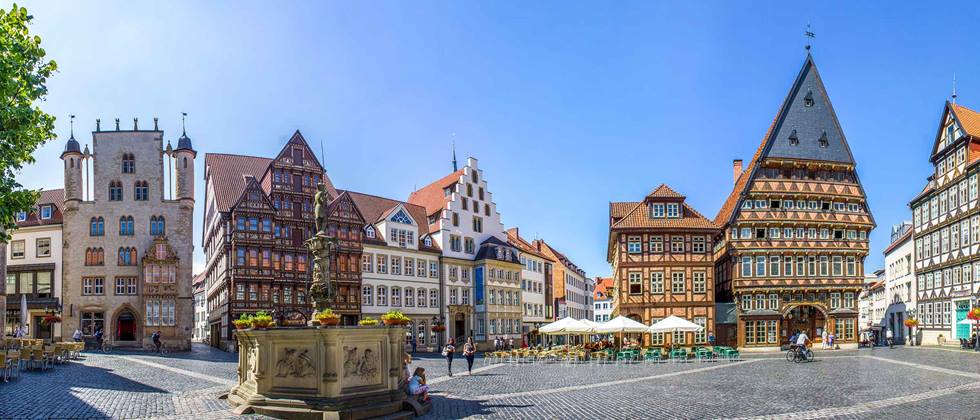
column 374, row 209
column 806, row 127
column 228, row 174
column 664, row 191
column 514, row 238
column 54, row 198
column 968, row 118
column 636, row 214
column 433, row 197
column 297, row 139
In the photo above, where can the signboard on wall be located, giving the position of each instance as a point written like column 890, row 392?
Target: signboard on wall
column 478, row 285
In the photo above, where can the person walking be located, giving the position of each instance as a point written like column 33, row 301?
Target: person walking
column 823, row 340
column 449, row 351
column 77, row 335
column 415, row 344
column 19, row 332
column 98, row 338
column 156, row 341
column 890, row 338
column 469, row 351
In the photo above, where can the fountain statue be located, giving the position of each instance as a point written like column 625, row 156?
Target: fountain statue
column 322, row 246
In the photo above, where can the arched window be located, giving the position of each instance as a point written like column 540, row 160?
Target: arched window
column 126, row 226
column 369, row 231
column 141, row 191
column 115, row 191
column 128, row 163
column 382, row 296
column 127, row 256
column 158, row 226
column 94, row 256
column 96, row 226
column 428, row 241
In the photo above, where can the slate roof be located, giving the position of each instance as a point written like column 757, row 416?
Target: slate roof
column 490, row 246
column 54, row 198
column 375, row 209
column 810, row 123
column 228, row 175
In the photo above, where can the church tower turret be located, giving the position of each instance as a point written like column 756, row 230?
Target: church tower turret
column 184, row 156
column 72, row 157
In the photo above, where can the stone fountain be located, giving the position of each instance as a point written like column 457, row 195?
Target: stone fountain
column 320, row 372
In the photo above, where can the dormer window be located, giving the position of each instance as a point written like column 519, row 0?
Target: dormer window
column 428, row 241
column 401, row 217
column 369, row 231
column 794, row 140
column 45, row 212
column 21, row 216
column 673, row 210
column 657, row 210
column 808, row 99
column 823, row 140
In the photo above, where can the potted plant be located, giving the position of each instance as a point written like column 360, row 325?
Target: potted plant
column 50, row 319
column 438, row 328
column 368, row 322
column 243, row 322
column 262, row 319
column 327, row 317
column 394, row 317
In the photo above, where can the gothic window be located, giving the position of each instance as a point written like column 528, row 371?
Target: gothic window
column 823, row 140
column 369, row 231
column 126, row 226
column 141, row 191
column 401, row 217
column 96, row 226
column 128, row 163
column 127, row 256
column 94, row 256
column 115, row 191
column 157, row 225
column 794, row 139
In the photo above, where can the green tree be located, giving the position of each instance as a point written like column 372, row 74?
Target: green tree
column 23, row 125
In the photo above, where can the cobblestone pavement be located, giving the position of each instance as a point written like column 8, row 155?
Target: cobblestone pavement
column 913, row 383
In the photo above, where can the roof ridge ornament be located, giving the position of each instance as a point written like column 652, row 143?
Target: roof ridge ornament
column 954, row 88
column 71, row 125
column 810, row 36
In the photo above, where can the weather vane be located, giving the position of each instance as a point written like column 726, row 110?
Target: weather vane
column 71, row 122
column 810, row 35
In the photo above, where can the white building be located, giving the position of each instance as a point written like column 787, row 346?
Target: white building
column 461, row 215
column 899, row 281
column 532, row 285
column 200, row 309
column 34, row 268
column 399, row 265
column 602, row 298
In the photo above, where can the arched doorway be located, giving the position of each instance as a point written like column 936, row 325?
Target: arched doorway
column 810, row 319
column 126, row 326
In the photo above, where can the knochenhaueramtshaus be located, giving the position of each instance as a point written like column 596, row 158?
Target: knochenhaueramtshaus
column 795, row 227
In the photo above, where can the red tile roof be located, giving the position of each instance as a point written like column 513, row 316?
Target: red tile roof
column 603, row 286
column 514, row 239
column 53, row 198
column 374, row 209
column 433, row 196
column 636, row 215
column 968, row 118
column 227, row 175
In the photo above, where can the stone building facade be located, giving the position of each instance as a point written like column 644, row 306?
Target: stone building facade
column 660, row 249
column 128, row 242
column 796, row 227
column 946, row 229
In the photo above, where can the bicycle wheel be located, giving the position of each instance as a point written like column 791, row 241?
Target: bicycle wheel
column 790, row 355
column 808, row 355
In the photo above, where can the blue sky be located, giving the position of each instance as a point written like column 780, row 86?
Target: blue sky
column 567, row 105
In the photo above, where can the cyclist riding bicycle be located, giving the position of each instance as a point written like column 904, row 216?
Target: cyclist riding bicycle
column 98, row 338
column 801, row 341
column 156, row 340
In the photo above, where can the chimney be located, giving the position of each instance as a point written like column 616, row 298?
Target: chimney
column 736, row 169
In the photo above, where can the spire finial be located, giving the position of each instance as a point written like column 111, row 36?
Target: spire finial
column 183, row 123
column 809, row 35
column 455, row 167
column 954, row 88
column 71, row 125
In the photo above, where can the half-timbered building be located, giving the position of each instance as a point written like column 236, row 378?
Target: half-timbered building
column 946, row 228
column 796, row 226
column 660, row 249
column 258, row 214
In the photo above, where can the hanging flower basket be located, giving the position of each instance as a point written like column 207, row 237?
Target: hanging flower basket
column 50, row 319
column 438, row 328
column 974, row 314
column 911, row 322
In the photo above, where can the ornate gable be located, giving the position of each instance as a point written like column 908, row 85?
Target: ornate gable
column 399, row 215
column 253, row 198
column 343, row 209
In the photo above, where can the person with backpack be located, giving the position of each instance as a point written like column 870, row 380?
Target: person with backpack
column 449, row 351
column 156, row 341
column 469, row 351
